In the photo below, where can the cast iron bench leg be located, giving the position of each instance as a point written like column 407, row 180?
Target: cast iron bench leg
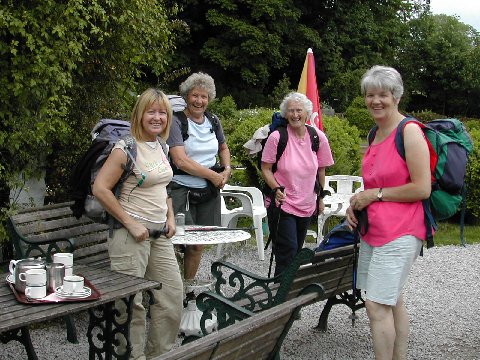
column 71, row 329
column 23, row 338
column 346, row 299
column 103, row 322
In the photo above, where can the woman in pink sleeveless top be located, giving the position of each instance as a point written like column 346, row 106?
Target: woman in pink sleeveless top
column 394, row 190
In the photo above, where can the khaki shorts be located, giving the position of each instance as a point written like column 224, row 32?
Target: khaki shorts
column 382, row 271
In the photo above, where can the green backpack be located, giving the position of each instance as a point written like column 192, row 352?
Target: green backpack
column 449, row 144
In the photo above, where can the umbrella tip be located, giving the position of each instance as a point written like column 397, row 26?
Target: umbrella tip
column 310, row 50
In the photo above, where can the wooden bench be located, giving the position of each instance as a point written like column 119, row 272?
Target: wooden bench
column 42, row 231
column 258, row 336
column 237, row 288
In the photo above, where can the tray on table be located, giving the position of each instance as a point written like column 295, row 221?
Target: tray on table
column 52, row 298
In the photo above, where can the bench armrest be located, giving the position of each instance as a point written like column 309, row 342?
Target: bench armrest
column 254, row 292
column 227, row 311
column 234, row 283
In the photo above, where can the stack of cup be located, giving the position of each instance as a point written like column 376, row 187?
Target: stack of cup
column 65, row 259
column 180, row 224
column 35, row 283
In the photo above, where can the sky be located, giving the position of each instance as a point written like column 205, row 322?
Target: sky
column 468, row 11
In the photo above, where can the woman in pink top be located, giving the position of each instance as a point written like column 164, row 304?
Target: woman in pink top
column 297, row 170
column 394, row 190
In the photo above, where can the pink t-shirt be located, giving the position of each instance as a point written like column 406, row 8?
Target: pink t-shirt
column 297, row 169
column 383, row 167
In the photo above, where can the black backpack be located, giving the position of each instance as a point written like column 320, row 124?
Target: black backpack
column 279, row 124
column 105, row 134
column 180, row 115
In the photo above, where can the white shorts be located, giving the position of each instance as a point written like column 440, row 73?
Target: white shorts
column 382, row 271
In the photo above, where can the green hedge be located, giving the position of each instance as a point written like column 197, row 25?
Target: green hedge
column 358, row 115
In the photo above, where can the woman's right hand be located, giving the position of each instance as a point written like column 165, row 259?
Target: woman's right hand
column 138, row 231
column 217, row 179
column 351, row 219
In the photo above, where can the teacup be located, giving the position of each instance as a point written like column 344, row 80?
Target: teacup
column 73, row 284
column 34, row 277
column 36, row 292
column 66, row 259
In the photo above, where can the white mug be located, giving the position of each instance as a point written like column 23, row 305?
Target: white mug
column 66, row 259
column 73, row 284
column 34, row 277
column 36, row 292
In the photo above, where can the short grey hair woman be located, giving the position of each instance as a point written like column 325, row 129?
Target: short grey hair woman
column 383, row 77
column 194, row 158
column 300, row 98
column 198, row 80
column 392, row 199
column 293, row 200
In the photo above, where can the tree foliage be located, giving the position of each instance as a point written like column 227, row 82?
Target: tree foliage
column 441, row 61
column 65, row 63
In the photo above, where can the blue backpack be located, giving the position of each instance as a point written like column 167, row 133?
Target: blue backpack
column 340, row 235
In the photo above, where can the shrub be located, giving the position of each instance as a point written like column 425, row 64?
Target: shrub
column 472, row 178
column 248, row 121
column 358, row 115
column 344, row 141
column 426, row 115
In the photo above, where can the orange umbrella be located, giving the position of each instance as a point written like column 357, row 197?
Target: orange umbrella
column 308, row 86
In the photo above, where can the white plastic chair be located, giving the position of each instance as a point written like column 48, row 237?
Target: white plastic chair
column 252, row 206
column 341, row 189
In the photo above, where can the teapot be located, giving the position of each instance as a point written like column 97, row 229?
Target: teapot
column 17, row 267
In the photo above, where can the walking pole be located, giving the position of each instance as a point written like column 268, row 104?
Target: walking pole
column 270, row 238
column 353, row 316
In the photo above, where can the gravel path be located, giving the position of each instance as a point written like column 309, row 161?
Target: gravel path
column 442, row 295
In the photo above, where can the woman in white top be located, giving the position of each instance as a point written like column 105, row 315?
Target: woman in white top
column 194, row 153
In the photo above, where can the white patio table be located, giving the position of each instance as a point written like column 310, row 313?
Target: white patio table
column 203, row 235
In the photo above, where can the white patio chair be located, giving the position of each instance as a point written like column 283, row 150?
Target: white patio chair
column 252, row 206
column 341, row 189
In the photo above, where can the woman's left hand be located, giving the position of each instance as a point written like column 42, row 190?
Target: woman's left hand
column 171, row 228
column 363, row 199
column 321, row 205
column 226, row 176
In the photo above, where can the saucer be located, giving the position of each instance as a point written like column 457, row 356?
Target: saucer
column 86, row 292
column 10, row 279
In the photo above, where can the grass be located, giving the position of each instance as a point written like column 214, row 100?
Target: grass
column 449, row 234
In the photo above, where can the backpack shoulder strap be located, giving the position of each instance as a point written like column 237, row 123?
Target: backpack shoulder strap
column 184, row 123
column 214, row 120
column 164, row 146
column 180, row 115
column 371, row 134
column 315, row 140
column 282, row 144
column 399, row 143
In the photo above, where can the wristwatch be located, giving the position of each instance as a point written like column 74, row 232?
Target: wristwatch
column 380, row 194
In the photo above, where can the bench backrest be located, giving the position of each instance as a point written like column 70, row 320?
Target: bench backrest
column 258, row 337
column 331, row 268
column 41, row 231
